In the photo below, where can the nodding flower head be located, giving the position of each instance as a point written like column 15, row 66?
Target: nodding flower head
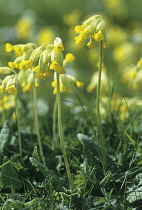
column 93, row 28
column 9, row 85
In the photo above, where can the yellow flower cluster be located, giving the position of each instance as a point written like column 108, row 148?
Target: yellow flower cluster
column 49, row 57
column 41, row 60
column 93, row 28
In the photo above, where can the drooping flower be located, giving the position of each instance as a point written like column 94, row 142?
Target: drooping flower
column 93, row 28
column 8, row 47
column 11, row 90
column 56, row 67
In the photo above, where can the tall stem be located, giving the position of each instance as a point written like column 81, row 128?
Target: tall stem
column 101, row 139
column 36, row 121
column 61, row 133
column 54, row 144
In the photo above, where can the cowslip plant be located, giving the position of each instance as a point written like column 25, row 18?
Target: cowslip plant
column 42, row 61
column 94, row 30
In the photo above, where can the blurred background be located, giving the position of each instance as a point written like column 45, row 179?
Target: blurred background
column 40, row 21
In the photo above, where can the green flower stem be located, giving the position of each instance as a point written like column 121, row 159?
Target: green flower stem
column 36, row 121
column 17, row 117
column 101, row 138
column 61, row 133
column 54, row 144
column 3, row 109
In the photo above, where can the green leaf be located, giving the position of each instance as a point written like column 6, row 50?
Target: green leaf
column 135, row 195
column 91, row 149
column 40, row 167
column 106, row 180
column 12, row 204
column 79, row 180
column 9, row 176
column 133, row 143
column 5, row 136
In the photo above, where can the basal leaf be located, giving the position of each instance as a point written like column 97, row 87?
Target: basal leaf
column 91, row 149
column 135, row 195
column 9, row 176
column 40, row 167
column 5, row 135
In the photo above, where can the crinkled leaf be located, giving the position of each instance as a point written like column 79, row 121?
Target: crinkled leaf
column 9, row 176
column 91, row 149
column 40, row 167
column 135, row 195
column 5, row 136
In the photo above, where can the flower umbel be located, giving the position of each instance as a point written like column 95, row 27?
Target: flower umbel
column 93, row 28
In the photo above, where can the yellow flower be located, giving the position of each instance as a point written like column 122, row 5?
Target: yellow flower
column 55, row 91
column 54, row 84
column 11, row 90
column 91, row 44
column 69, row 57
column 62, row 88
column 27, row 87
column 56, row 67
column 13, row 65
column 40, row 75
column 18, row 51
column 78, row 40
column 78, row 29
column 47, row 73
column 98, row 36
column 8, row 47
column 36, row 69
column 79, row 84
column 25, row 65
column 59, row 48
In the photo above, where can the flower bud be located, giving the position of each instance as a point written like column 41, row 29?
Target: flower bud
column 5, row 70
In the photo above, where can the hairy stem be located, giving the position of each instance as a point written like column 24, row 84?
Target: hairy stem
column 61, row 133
column 36, row 121
column 54, row 144
column 101, row 139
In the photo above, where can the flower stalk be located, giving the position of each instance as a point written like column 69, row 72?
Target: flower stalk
column 36, row 121
column 101, row 138
column 61, row 133
column 54, row 143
